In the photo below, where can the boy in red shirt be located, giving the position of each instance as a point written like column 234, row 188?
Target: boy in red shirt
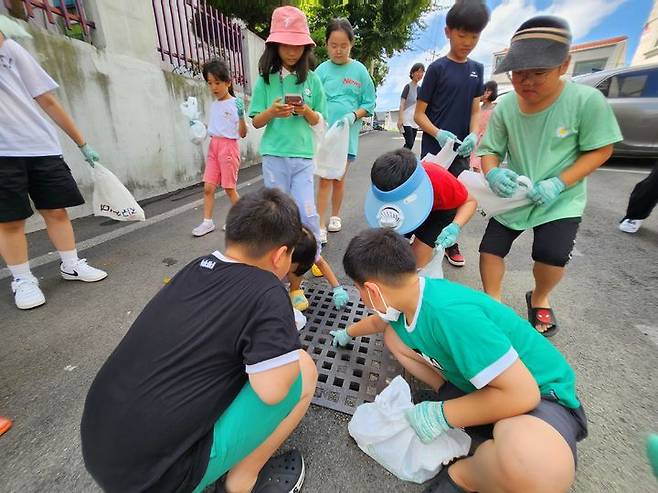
column 420, row 200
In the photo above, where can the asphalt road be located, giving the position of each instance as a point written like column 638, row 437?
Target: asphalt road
column 606, row 305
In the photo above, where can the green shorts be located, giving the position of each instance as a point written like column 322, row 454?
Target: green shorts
column 243, row 427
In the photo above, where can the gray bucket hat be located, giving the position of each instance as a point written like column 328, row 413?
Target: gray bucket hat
column 541, row 42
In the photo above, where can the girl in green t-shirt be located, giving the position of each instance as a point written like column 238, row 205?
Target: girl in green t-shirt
column 350, row 94
column 287, row 100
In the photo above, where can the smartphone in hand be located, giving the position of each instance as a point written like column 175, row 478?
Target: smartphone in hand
column 294, row 99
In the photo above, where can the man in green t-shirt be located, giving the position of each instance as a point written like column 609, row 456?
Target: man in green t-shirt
column 556, row 133
column 505, row 372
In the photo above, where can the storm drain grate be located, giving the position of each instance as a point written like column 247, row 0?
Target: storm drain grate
column 349, row 376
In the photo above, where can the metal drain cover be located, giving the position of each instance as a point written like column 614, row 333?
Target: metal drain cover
column 349, row 376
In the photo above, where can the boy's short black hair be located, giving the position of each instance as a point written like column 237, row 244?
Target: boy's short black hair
column 379, row 255
column 305, row 252
column 492, row 85
column 263, row 220
column 468, row 15
column 415, row 68
column 392, row 169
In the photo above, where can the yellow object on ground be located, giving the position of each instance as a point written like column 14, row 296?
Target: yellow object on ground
column 315, row 270
column 298, row 300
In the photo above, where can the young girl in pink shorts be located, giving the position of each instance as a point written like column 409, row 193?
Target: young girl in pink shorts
column 225, row 126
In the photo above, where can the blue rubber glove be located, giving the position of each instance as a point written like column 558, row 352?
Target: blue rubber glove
column 340, row 297
column 503, row 181
column 91, row 156
column 467, row 145
column 239, row 103
column 546, row 191
column 448, row 236
column 341, row 338
column 427, row 420
column 443, row 136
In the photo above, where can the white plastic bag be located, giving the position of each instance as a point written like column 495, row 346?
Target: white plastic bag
column 300, row 319
column 487, row 199
column 190, row 108
column 112, row 199
column 445, row 157
column 381, row 431
column 434, row 269
column 331, row 152
column 198, row 131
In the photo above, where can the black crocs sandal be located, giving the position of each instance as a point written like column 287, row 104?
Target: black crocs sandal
column 282, row 474
column 539, row 315
column 443, row 483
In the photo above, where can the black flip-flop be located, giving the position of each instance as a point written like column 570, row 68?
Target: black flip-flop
column 282, row 474
column 443, row 483
column 540, row 315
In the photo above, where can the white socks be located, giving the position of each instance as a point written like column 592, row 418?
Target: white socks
column 21, row 271
column 69, row 258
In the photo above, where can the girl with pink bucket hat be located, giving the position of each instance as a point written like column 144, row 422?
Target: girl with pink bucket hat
column 288, row 99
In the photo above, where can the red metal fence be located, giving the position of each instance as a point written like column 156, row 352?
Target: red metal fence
column 191, row 32
column 69, row 13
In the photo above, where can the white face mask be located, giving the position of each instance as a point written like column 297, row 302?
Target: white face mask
column 391, row 315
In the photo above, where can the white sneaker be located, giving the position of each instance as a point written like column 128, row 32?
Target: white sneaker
column 630, row 225
column 224, row 228
column 204, row 228
column 335, row 224
column 27, row 293
column 81, row 271
column 323, row 236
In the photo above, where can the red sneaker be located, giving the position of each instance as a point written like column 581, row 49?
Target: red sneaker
column 454, row 256
column 5, row 424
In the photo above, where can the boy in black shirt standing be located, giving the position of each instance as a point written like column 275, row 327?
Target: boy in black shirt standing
column 210, row 380
column 448, row 105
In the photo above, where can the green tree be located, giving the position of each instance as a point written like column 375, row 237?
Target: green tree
column 382, row 27
column 255, row 13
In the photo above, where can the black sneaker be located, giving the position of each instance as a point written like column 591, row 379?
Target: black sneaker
column 282, row 474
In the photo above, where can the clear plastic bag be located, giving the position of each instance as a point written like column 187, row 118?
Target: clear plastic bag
column 487, row 199
column 381, row 430
column 445, row 157
column 434, row 269
column 112, row 199
column 331, row 152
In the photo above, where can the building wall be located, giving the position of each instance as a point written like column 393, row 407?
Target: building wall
column 127, row 104
column 647, row 49
column 614, row 55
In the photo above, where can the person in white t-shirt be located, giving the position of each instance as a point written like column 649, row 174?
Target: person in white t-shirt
column 225, row 126
column 32, row 167
column 406, row 123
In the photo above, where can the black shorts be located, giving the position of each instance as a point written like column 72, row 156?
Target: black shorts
column 570, row 423
column 431, row 228
column 552, row 244
column 47, row 180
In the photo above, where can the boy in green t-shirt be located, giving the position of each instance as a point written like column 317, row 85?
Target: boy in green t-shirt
column 556, row 133
column 505, row 373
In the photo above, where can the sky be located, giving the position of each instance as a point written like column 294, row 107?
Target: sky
column 589, row 19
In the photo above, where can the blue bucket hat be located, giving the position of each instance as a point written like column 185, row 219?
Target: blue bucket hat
column 404, row 208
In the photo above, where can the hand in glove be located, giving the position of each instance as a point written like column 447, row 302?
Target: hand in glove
column 503, row 181
column 545, row 192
